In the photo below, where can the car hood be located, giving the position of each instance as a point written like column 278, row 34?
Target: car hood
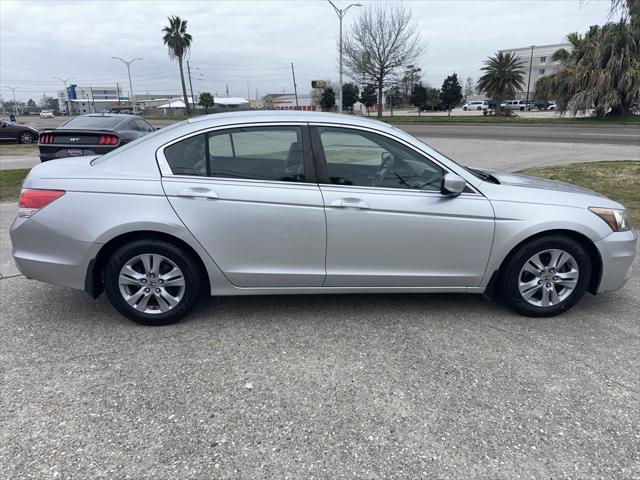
column 513, row 187
column 514, row 179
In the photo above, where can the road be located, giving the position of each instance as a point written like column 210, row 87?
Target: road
column 609, row 134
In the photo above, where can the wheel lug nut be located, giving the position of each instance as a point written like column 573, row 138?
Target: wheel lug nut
column 147, row 290
column 556, row 278
column 144, row 280
column 160, row 281
column 539, row 282
column 157, row 290
column 152, row 275
column 548, row 285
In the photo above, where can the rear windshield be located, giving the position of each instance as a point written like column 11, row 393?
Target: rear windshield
column 93, row 122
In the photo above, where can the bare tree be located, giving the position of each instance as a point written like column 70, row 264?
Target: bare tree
column 469, row 88
column 382, row 39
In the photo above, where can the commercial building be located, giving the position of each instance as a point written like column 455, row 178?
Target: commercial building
column 537, row 59
column 90, row 99
column 288, row 101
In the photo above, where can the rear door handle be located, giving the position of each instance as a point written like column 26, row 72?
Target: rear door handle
column 198, row 193
column 356, row 203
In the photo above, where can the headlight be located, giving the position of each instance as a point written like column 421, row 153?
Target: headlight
column 618, row 220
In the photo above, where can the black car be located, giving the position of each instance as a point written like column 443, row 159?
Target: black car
column 17, row 132
column 93, row 134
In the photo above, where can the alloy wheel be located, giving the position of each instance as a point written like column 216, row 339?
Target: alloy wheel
column 151, row 283
column 548, row 278
column 26, row 137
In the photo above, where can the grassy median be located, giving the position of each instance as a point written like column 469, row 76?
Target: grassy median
column 17, row 149
column 11, row 182
column 618, row 180
column 514, row 120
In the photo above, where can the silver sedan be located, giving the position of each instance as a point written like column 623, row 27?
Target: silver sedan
column 297, row 203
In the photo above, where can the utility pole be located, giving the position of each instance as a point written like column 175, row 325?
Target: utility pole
column 15, row 103
column 248, row 94
column 66, row 90
column 118, row 93
column 341, row 13
column 193, row 99
column 128, row 64
column 227, row 90
column 295, row 87
column 529, row 81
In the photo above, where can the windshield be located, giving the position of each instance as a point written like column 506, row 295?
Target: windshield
column 91, row 121
column 138, row 141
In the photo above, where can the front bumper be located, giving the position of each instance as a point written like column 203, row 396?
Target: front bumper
column 617, row 251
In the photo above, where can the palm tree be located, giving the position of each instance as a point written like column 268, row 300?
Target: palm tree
column 602, row 70
column 503, row 78
column 178, row 41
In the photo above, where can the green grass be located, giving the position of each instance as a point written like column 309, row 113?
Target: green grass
column 11, row 182
column 618, row 180
column 17, row 149
column 176, row 118
column 632, row 120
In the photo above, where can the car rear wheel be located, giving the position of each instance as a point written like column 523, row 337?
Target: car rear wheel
column 546, row 276
column 26, row 137
column 465, row 109
column 152, row 282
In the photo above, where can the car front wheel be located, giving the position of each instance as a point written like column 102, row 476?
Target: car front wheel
column 26, row 137
column 546, row 276
column 152, row 282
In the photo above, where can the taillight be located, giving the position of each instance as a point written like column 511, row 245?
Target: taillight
column 107, row 140
column 33, row 200
column 46, row 138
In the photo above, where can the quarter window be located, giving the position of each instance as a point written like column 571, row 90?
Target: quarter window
column 258, row 153
column 366, row 159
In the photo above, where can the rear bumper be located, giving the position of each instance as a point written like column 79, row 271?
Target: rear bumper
column 617, row 251
column 56, row 151
column 49, row 255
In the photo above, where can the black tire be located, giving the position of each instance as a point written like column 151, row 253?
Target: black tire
column 510, row 277
column 26, row 137
column 464, row 108
column 193, row 281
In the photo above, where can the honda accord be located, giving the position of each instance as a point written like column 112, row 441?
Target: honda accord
column 255, row 203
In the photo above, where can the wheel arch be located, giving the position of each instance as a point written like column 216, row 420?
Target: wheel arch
column 586, row 242
column 94, row 279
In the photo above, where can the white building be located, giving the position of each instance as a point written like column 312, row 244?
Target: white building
column 536, row 59
column 90, row 99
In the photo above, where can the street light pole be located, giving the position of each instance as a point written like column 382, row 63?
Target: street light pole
column 341, row 13
column 128, row 64
column 529, row 80
column 66, row 89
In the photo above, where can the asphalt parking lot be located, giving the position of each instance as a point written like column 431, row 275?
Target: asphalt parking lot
column 364, row 387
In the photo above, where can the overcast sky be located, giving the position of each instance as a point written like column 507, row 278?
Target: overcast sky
column 240, row 42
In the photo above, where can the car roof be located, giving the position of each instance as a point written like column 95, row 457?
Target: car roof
column 251, row 116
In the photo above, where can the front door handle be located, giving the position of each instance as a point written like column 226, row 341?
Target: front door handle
column 356, row 203
column 198, row 193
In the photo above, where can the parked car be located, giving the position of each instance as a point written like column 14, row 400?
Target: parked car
column 432, row 107
column 552, row 106
column 515, row 105
column 476, row 105
column 277, row 202
column 17, row 132
column 93, row 134
column 46, row 114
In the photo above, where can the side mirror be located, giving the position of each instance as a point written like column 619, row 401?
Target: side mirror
column 452, row 184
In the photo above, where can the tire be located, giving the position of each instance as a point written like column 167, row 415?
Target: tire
column 518, row 281
column 26, row 137
column 479, row 108
column 465, row 109
column 141, row 281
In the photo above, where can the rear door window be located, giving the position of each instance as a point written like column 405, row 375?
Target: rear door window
column 256, row 153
